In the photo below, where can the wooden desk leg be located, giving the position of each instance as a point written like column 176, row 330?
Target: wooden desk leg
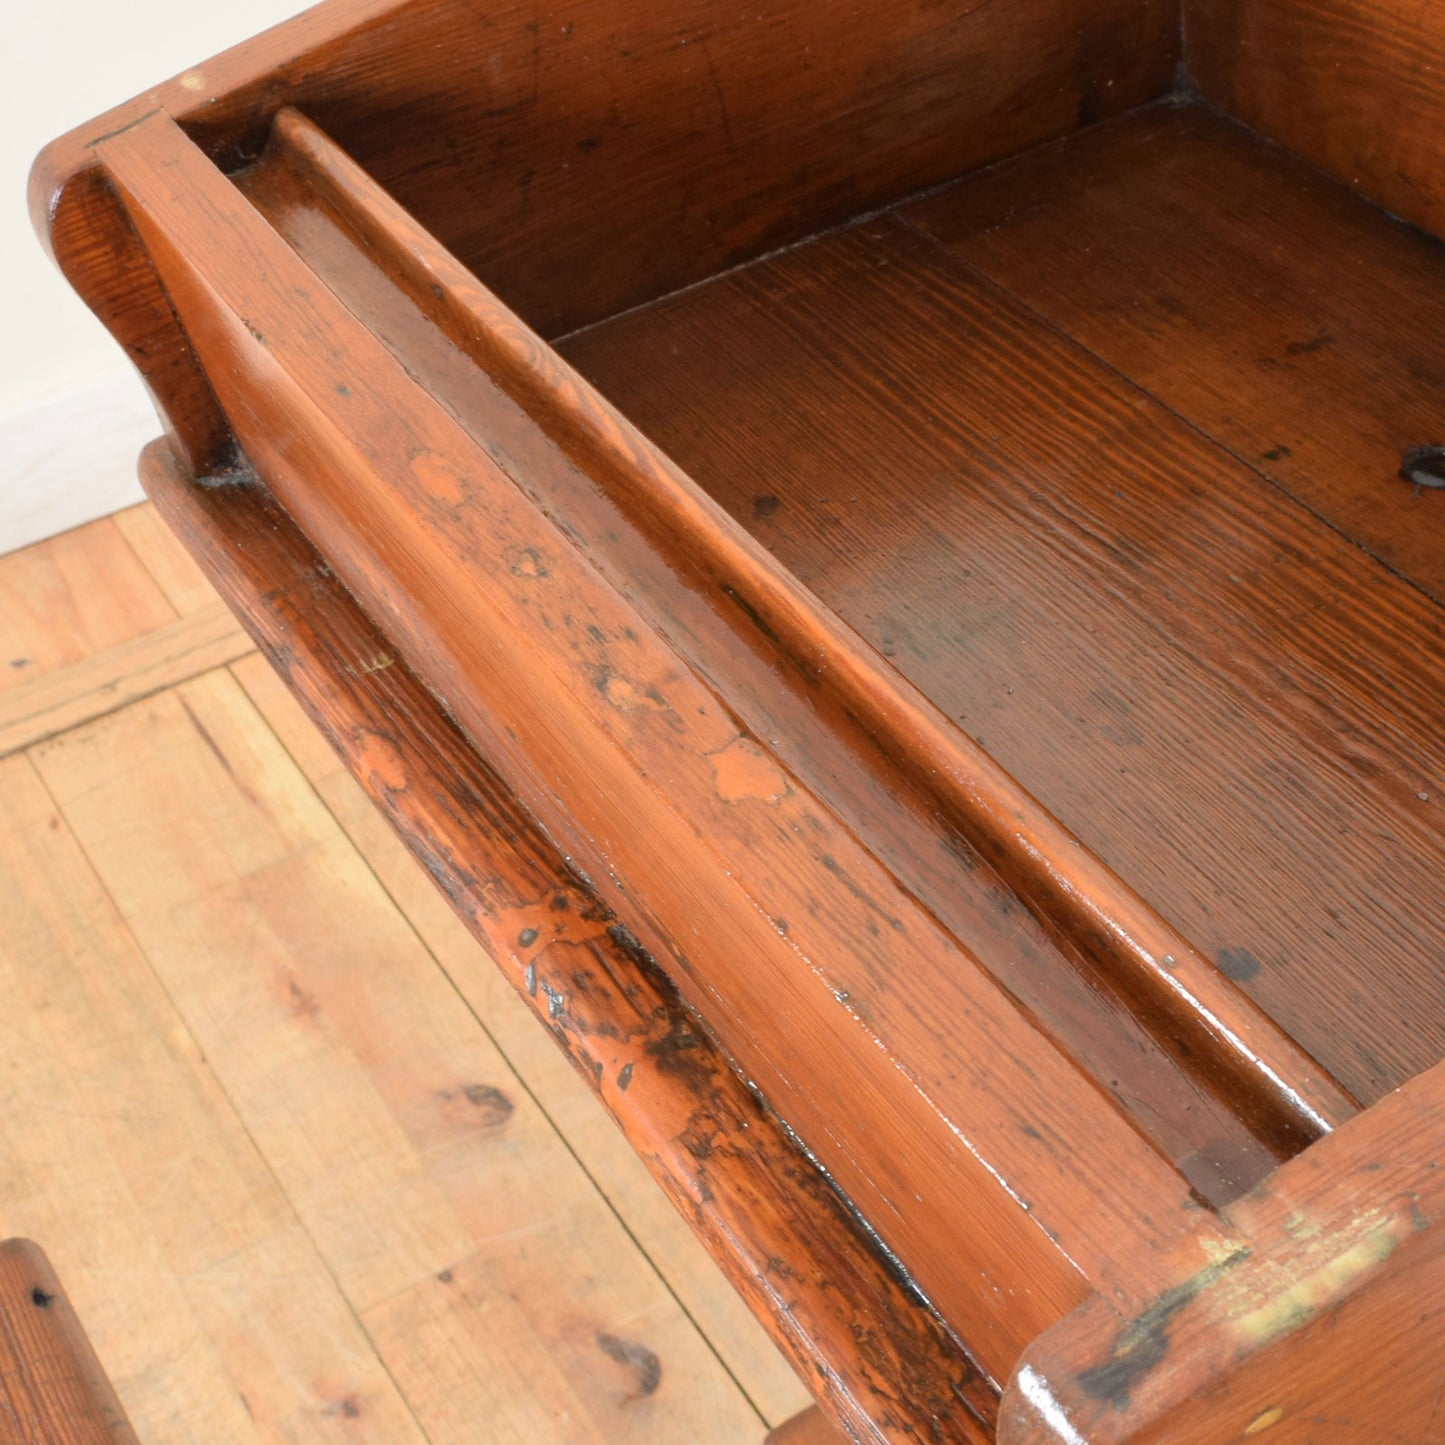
column 811, row 1427
column 52, row 1388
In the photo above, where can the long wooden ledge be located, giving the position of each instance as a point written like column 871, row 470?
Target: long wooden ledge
column 660, row 541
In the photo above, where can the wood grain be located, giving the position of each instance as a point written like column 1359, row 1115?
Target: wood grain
column 1325, row 1324
column 1207, row 266
column 1100, row 596
column 70, row 596
column 53, row 1390
column 406, row 506
column 611, row 151
column 172, row 567
column 649, row 1216
column 921, row 792
column 854, row 1329
column 405, row 1144
column 115, row 676
column 206, row 1302
column 1354, row 86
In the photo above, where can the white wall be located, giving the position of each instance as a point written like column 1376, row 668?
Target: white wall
column 72, row 415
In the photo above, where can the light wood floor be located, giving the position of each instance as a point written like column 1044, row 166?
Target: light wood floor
column 307, row 1167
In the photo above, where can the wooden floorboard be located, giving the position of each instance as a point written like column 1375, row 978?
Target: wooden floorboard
column 206, row 1301
column 1233, row 706
column 147, row 663
column 649, row 1217
column 293, row 1187
column 64, row 599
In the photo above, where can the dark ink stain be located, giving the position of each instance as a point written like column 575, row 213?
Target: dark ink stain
column 348, row 1407
column 342, row 389
column 1142, row 1344
column 1308, row 348
column 624, row 1077
column 1237, row 963
column 596, row 633
column 1030, row 1132
column 40, row 1299
column 494, row 1106
column 1424, row 466
column 636, row 1357
column 588, row 145
column 765, row 506
column 527, row 937
column 19, row 662
column 445, row 1277
column 1278, row 454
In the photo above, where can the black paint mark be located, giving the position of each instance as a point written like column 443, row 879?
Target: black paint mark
column 556, row 1001
column 445, row 1277
column 1308, row 348
column 494, row 1106
column 1424, row 466
column 765, row 506
column 634, row 1356
column 1141, row 1345
column 624, row 1077
column 527, row 937
column 1237, row 963
column 588, row 145
column 19, row 662
column 1278, row 454
column 348, row 1407
column 40, row 1299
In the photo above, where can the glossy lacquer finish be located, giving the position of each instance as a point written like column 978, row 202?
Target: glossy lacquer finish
column 969, row 674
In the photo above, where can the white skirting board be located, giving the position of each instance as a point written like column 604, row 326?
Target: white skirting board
column 72, row 458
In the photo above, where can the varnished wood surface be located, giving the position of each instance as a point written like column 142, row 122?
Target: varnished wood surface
column 1350, row 85
column 1324, row 1324
column 1230, row 704
column 1226, row 701
column 406, row 505
column 926, row 798
column 123, row 1149
column 1274, row 309
column 854, row 1330
column 605, row 153
column 52, row 1388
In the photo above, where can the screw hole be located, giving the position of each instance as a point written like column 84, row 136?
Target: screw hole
column 1424, row 466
